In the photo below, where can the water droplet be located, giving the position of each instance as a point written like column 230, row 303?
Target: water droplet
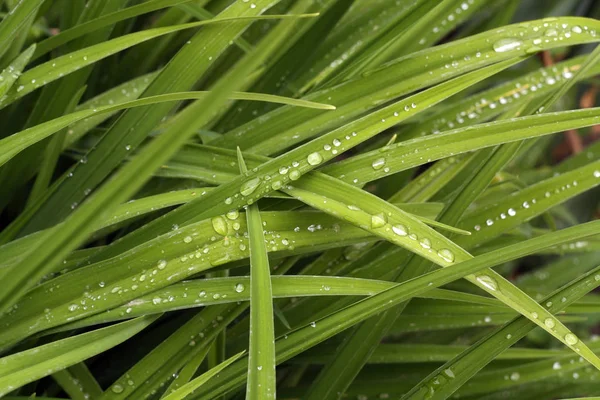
column 379, row 220
column 571, row 339
column 596, row 174
column 117, row 388
column 549, row 322
column 425, row 243
column 400, row 230
column 556, row 366
column 187, row 239
column 489, row 222
column 336, row 142
column 314, row 158
column 234, row 214
column 294, row 175
column 313, row 324
column 515, row 376
column 219, row 225
column 378, row 164
column 449, row 373
column 162, row 264
column 228, row 200
column 249, row 187
column 446, row 255
column 239, row 288
column 576, row 29
column 283, row 170
column 488, row 282
column 507, row 44
column 512, row 212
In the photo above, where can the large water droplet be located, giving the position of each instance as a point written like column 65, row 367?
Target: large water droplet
column 556, row 366
column 425, row 243
column 571, row 339
column 294, row 175
column 239, row 288
column 314, row 158
column 379, row 220
column 219, row 225
column 378, row 164
column 507, row 44
column 249, row 187
column 233, row 214
column 400, row 230
column 446, row 255
column 549, row 322
column 488, row 282
column 117, row 388
column 162, row 264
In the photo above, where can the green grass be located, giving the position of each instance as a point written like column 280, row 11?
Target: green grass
column 310, row 199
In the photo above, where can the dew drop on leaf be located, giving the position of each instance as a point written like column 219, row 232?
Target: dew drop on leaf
column 378, row 164
column 571, row 339
column 379, row 220
column 249, row 187
column 314, row 158
column 488, row 282
column 446, row 255
column 507, row 44
column 233, row 214
column 219, row 224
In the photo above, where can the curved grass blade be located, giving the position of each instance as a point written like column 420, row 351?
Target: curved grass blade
column 78, row 30
column 132, row 128
column 261, row 353
column 207, row 292
column 308, row 336
column 189, row 388
column 18, row 142
column 30, row 365
column 491, row 221
column 490, row 103
column 473, row 359
column 112, row 283
column 11, row 73
column 381, row 219
column 18, row 16
column 403, row 76
column 289, row 167
column 60, row 240
column 64, row 65
column 156, row 368
column 401, row 156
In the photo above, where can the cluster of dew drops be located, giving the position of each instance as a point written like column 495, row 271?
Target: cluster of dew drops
column 483, row 108
column 525, row 205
